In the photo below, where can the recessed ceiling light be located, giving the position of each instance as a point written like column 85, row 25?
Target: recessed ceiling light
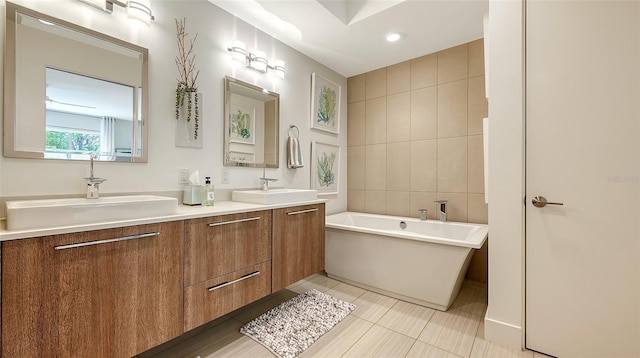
column 393, row 36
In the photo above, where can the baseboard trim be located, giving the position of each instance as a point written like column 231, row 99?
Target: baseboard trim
column 503, row 333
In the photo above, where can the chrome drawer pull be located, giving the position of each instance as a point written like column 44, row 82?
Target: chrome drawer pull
column 302, row 211
column 227, row 283
column 234, row 221
column 91, row 243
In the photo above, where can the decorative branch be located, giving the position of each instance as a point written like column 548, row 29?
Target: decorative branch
column 186, row 58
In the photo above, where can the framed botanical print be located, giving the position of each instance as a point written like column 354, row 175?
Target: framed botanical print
column 325, row 168
column 325, row 104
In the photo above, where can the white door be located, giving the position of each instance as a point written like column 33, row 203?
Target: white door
column 582, row 120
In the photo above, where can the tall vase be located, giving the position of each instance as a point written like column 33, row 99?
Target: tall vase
column 189, row 123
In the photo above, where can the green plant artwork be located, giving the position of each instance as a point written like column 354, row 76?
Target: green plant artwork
column 326, row 113
column 240, row 125
column 326, row 175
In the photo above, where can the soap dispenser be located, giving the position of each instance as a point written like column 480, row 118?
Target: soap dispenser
column 207, row 197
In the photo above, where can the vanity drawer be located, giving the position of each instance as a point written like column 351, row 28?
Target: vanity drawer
column 213, row 298
column 219, row 245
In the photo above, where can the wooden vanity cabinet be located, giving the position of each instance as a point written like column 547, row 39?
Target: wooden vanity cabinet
column 106, row 293
column 298, row 243
column 227, row 264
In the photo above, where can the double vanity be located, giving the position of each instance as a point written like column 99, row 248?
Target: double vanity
column 116, row 288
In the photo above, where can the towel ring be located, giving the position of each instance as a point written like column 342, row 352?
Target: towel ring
column 297, row 131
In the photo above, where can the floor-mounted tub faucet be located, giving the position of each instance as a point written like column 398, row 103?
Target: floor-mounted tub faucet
column 93, row 183
column 442, row 209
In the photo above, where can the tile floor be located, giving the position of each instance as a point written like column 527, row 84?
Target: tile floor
column 380, row 326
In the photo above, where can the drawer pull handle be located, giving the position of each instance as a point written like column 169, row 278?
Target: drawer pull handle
column 91, row 243
column 302, row 211
column 227, row 283
column 234, row 221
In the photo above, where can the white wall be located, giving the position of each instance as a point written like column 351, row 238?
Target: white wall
column 215, row 28
column 504, row 321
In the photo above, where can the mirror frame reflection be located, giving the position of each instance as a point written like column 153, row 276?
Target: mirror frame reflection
column 12, row 79
column 240, row 140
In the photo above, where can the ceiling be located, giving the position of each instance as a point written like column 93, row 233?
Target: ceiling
column 348, row 36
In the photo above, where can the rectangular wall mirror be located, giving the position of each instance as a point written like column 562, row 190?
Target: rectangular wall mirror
column 71, row 92
column 251, row 126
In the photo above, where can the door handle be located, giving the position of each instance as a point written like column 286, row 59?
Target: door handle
column 541, row 202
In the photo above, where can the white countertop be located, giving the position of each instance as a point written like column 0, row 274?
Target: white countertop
column 184, row 212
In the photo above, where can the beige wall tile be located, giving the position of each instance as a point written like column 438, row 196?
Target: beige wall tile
column 475, row 164
column 376, row 167
column 399, row 78
column 376, row 83
column 355, row 200
column 375, row 202
column 452, row 109
column 452, row 64
column 424, row 200
column 399, row 166
column 355, row 167
column 424, row 113
column 424, row 71
column 356, row 119
column 456, row 206
column 478, row 267
column 423, row 165
column 476, row 58
column 376, row 120
column 477, row 104
column 478, row 209
column 356, row 88
column 399, row 117
column 398, row 203
column 452, row 165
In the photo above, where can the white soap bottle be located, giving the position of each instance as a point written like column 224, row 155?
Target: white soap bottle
column 207, row 197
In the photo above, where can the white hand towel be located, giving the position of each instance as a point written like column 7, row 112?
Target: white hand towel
column 294, row 155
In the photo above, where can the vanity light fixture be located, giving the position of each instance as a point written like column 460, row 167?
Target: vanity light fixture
column 256, row 60
column 136, row 9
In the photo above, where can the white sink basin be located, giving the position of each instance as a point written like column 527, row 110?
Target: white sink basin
column 33, row 214
column 274, row 196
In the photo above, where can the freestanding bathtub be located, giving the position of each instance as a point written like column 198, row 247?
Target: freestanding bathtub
column 425, row 262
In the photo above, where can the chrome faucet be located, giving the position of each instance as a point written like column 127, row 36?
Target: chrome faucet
column 442, row 209
column 264, row 181
column 93, row 183
column 423, row 214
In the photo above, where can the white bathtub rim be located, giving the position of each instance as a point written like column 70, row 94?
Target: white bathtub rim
column 477, row 237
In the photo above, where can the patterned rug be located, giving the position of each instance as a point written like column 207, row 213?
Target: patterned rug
column 294, row 325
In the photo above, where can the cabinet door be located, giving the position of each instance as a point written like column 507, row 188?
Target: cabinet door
column 298, row 243
column 213, row 298
column 107, row 293
column 219, row 245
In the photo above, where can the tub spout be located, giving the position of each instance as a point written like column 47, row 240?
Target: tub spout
column 423, row 214
column 442, row 209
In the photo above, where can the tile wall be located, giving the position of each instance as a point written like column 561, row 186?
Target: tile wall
column 415, row 136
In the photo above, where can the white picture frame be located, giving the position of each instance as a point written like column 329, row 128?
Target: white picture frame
column 325, row 104
column 325, row 168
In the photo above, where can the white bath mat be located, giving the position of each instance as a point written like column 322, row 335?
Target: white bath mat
column 294, row 325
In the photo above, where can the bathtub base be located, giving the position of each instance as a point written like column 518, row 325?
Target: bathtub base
column 394, row 294
column 424, row 273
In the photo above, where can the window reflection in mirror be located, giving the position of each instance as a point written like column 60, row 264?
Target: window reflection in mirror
column 87, row 115
column 71, row 92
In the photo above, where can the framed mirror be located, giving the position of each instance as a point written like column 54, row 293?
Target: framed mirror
column 251, row 126
column 70, row 92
